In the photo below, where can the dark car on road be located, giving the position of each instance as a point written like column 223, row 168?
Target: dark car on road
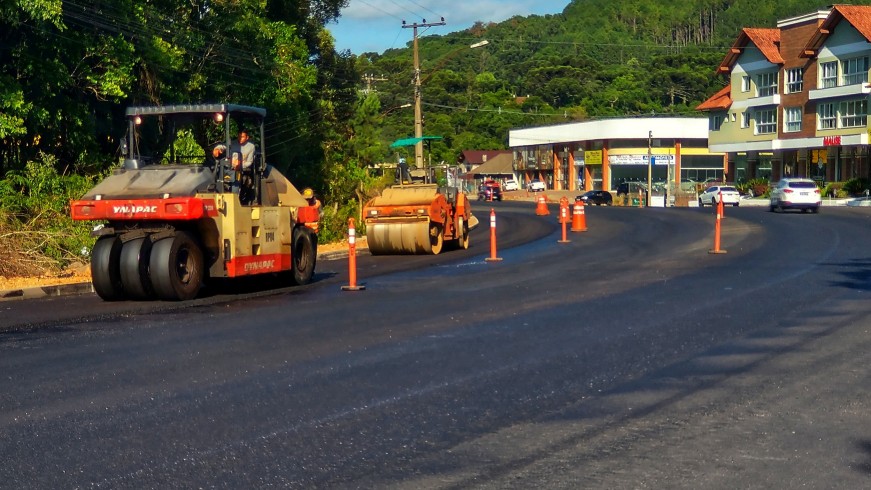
column 599, row 198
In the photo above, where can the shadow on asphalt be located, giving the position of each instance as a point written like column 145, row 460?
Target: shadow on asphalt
column 857, row 275
column 865, row 446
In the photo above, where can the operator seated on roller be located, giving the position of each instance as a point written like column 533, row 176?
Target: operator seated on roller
column 309, row 195
column 242, row 160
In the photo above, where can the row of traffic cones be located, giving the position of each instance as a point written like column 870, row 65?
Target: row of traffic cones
column 579, row 218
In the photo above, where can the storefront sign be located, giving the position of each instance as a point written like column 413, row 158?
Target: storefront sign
column 831, row 141
column 627, row 159
column 593, row 157
column 640, row 159
column 819, row 156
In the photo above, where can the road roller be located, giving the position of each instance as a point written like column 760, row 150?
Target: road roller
column 178, row 213
column 418, row 219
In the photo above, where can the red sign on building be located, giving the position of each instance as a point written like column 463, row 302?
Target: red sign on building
column 831, row 141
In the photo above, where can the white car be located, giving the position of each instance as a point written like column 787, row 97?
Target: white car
column 795, row 193
column 536, row 186
column 714, row 193
column 510, row 185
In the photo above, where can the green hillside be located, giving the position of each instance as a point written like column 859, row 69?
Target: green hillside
column 598, row 58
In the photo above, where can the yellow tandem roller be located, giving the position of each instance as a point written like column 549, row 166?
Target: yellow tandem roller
column 417, row 219
column 402, row 237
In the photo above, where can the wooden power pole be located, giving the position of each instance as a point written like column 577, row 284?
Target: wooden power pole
column 418, row 115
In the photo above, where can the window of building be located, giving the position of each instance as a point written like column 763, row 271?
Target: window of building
column 766, row 121
column 792, row 116
column 766, row 84
column 854, row 71
column 745, row 83
column 854, row 113
column 794, row 80
column 716, row 122
column 827, row 116
column 745, row 119
column 528, row 158
column 829, row 74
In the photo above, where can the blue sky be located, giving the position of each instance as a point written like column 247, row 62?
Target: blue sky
column 376, row 25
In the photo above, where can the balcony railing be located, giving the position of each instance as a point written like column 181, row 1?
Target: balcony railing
column 859, row 88
column 854, row 78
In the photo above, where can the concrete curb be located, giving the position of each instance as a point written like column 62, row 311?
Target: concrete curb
column 554, row 197
column 47, row 291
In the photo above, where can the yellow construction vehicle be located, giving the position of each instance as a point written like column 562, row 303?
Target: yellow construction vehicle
column 177, row 214
column 417, row 219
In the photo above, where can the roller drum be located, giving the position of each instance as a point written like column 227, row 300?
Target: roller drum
column 399, row 237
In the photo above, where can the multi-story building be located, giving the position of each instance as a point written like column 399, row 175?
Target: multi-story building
column 797, row 99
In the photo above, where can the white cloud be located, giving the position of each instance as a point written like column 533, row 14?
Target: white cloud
column 456, row 13
column 376, row 25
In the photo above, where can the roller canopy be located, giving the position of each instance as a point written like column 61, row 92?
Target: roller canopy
column 412, row 141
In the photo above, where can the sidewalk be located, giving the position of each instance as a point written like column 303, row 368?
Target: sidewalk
column 554, row 196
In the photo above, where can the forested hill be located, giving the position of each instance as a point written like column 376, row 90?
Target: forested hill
column 598, row 58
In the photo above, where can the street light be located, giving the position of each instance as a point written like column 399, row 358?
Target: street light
column 391, row 109
column 418, row 115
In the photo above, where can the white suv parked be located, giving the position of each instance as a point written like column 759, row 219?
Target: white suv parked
column 796, row 193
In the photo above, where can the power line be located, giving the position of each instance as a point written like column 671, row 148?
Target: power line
column 412, row 12
column 378, row 8
column 421, row 6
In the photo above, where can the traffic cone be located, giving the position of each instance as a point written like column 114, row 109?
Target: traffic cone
column 352, row 259
column 579, row 219
column 541, row 207
column 564, row 210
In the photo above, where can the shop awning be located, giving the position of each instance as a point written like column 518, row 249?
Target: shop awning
column 498, row 166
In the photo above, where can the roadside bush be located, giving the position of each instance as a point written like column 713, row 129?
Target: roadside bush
column 743, row 188
column 334, row 223
column 834, row 190
column 756, row 187
column 37, row 234
column 856, row 187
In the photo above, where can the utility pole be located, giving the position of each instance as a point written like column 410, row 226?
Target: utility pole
column 418, row 116
column 649, row 167
column 370, row 79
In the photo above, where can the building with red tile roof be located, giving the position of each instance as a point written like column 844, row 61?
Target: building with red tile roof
column 796, row 100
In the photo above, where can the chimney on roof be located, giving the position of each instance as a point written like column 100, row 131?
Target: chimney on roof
column 484, row 158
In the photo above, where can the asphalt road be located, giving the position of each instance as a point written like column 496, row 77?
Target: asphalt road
column 628, row 358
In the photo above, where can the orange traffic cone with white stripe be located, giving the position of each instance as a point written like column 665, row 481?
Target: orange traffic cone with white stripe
column 541, row 207
column 579, row 219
